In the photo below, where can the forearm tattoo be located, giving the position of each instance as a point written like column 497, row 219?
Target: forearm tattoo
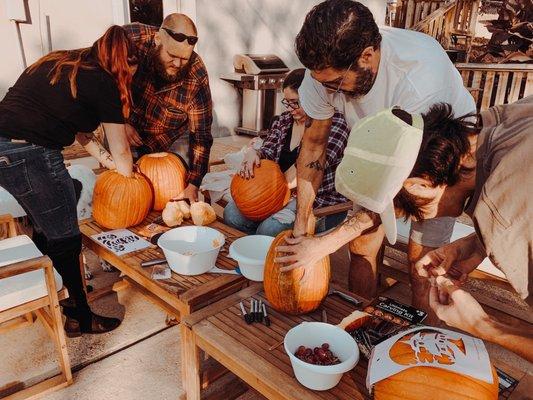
column 308, row 122
column 362, row 220
column 315, row 165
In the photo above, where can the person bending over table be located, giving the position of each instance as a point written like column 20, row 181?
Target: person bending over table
column 359, row 69
column 64, row 94
column 483, row 169
column 172, row 109
column 282, row 145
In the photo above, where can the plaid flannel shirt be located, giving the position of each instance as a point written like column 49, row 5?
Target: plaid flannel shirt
column 161, row 114
column 337, row 140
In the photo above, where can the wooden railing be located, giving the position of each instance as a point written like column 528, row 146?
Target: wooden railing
column 495, row 84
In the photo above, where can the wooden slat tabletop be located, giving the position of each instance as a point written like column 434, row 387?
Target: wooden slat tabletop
column 244, row 349
column 184, row 293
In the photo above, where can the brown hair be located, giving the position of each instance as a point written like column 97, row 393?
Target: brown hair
column 114, row 53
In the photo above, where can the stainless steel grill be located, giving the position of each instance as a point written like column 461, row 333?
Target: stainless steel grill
column 258, row 78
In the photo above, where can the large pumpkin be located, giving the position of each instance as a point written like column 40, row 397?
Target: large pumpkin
column 166, row 173
column 298, row 291
column 121, row 202
column 264, row 194
column 423, row 382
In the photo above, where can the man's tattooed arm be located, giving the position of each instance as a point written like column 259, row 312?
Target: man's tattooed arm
column 315, row 165
column 362, row 221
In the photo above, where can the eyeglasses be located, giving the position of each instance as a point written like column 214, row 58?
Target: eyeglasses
column 338, row 88
column 181, row 37
column 292, row 104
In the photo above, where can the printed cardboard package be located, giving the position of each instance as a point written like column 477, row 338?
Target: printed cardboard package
column 380, row 320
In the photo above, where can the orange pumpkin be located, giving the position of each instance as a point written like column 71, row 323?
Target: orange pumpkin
column 264, row 194
column 298, row 291
column 166, row 173
column 423, row 382
column 119, row 201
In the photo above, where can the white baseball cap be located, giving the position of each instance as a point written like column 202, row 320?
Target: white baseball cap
column 380, row 154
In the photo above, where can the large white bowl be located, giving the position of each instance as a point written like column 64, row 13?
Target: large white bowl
column 250, row 253
column 191, row 250
column 313, row 334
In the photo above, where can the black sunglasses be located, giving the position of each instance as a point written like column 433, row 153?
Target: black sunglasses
column 180, row 37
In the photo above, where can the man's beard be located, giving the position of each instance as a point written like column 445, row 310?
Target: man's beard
column 363, row 83
column 161, row 69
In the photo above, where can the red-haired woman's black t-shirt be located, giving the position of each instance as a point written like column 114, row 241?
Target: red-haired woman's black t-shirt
column 48, row 115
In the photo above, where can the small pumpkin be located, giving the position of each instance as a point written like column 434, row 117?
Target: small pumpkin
column 166, row 173
column 172, row 214
column 202, row 213
column 416, row 383
column 120, row 201
column 298, row 291
column 266, row 193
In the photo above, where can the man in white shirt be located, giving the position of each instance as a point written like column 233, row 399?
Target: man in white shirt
column 360, row 69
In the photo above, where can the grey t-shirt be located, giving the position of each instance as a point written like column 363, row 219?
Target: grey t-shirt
column 501, row 207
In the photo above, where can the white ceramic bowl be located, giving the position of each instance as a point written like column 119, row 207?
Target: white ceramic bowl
column 191, row 250
column 250, row 253
column 313, row 334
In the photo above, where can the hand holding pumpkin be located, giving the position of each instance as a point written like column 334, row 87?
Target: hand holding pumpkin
column 249, row 162
column 302, row 251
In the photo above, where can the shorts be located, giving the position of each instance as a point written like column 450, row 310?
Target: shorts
column 434, row 232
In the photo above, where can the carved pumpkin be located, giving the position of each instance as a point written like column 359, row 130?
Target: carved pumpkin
column 264, row 194
column 419, row 383
column 121, row 202
column 166, row 173
column 298, row 291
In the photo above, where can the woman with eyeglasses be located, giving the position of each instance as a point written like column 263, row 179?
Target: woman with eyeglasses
column 64, row 95
column 282, row 145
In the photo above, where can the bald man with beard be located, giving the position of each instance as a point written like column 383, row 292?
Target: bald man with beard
column 172, row 109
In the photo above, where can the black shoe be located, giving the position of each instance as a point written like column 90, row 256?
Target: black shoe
column 90, row 323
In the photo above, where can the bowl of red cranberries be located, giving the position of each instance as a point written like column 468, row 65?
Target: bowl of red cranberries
column 320, row 353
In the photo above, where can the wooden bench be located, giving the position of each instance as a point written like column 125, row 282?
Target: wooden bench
column 496, row 84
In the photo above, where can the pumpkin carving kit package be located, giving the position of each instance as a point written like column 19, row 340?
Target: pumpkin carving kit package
column 379, row 321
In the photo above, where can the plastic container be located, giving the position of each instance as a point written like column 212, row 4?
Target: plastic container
column 250, row 253
column 191, row 250
column 313, row 334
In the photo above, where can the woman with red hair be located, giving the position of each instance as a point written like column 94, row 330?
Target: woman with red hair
column 64, row 95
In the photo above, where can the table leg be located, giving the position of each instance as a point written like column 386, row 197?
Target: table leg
column 190, row 364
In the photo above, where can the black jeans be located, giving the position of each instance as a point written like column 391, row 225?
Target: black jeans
column 36, row 176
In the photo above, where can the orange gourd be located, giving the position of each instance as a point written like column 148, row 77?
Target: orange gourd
column 119, row 201
column 423, row 382
column 264, row 194
column 299, row 291
column 166, row 173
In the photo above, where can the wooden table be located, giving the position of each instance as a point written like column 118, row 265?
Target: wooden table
column 180, row 295
column 221, row 332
